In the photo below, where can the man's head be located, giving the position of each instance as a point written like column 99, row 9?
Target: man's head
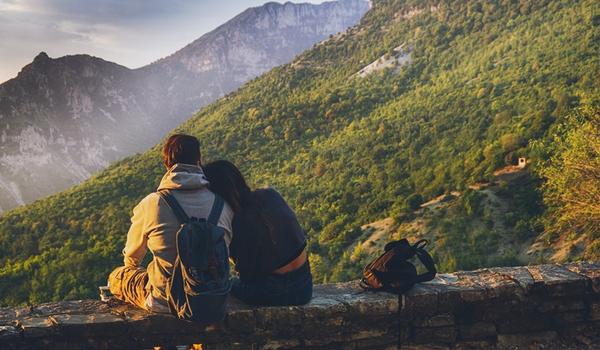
column 181, row 148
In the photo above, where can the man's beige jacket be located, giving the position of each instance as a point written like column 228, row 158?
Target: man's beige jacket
column 154, row 227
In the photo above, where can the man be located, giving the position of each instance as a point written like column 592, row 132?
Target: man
column 154, row 226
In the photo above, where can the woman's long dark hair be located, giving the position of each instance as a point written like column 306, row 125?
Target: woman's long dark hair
column 227, row 181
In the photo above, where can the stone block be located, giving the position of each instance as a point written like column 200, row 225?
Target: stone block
column 8, row 315
column 422, row 299
column 475, row 345
column 590, row 270
column 369, row 304
column 440, row 295
column 8, row 333
column 448, row 298
column 436, row 321
column 279, row 322
column 360, row 346
column 432, row 335
column 568, row 317
column 488, row 284
column 520, row 275
column 242, row 320
column 75, row 307
column 494, row 310
column 526, row 340
column 556, row 280
column 477, row 331
column 490, row 311
column 230, row 346
column 34, row 327
column 366, row 311
column 210, row 334
column 587, row 329
column 474, row 293
column 561, row 305
column 382, row 341
column 323, row 321
column 324, row 342
column 595, row 312
column 425, row 347
column 83, row 326
column 280, row 344
column 525, row 322
column 367, row 334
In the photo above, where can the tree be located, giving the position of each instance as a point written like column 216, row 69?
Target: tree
column 414, row 201
column 572, row 188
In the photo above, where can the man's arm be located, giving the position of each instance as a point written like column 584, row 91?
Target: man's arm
column 137, row 238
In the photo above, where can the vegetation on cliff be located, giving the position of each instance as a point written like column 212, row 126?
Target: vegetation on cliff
column 572, row 187
column 484, row 80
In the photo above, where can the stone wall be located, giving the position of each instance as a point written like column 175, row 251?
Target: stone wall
column 534, row 307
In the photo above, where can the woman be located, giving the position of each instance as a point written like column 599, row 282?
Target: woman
column 268, row 245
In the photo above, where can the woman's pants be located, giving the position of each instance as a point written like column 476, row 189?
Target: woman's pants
column 292, row 288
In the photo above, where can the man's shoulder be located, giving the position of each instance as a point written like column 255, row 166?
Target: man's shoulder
column 152, row 199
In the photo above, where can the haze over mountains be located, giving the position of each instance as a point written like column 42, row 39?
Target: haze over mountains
column 65, row 118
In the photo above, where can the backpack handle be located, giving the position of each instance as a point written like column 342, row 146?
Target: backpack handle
column 427, row 261
column 420, row 244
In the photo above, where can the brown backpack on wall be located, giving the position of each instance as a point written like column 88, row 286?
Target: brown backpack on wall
column 393, row 272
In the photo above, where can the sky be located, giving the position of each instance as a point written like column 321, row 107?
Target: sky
column 129, row 32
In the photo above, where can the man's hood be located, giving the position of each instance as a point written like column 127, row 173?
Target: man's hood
column 183, row 177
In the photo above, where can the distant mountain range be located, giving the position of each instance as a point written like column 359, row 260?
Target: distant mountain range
column 63, row 119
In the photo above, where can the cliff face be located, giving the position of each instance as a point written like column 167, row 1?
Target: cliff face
column 63, row 119
column 247, row 46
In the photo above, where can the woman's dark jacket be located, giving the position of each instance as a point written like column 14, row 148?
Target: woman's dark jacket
column 266, row 236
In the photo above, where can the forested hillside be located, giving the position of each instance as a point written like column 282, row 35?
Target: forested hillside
column 470, row 85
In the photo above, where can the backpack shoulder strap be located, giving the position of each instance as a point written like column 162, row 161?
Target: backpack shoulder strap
column 174, row 205
column 217, row 209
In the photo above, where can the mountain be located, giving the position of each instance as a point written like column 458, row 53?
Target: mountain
column 250, row 44
column 454, row 91
column 64, row 119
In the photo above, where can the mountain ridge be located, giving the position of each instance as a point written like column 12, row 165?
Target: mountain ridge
column 106, row 111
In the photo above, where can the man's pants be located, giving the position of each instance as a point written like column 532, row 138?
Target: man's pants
column 129, row 284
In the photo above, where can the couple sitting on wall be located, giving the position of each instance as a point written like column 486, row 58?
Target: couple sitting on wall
column 261, row 235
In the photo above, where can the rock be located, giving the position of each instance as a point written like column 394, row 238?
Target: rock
column 558, row 280
column 434, row 335
column 526, row 340
column 477, row 331
column 9, row 333
column 501, row 308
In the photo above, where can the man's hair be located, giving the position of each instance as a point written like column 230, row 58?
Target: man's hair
column 181, row 148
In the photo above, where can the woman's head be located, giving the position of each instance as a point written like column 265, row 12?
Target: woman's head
column 227, row 181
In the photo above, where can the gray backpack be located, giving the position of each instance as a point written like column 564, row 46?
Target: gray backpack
column 199, row 285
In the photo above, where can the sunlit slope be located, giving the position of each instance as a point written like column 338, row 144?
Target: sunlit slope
column 484, row 78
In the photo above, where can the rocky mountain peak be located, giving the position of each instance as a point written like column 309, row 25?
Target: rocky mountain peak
column 41, row 57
